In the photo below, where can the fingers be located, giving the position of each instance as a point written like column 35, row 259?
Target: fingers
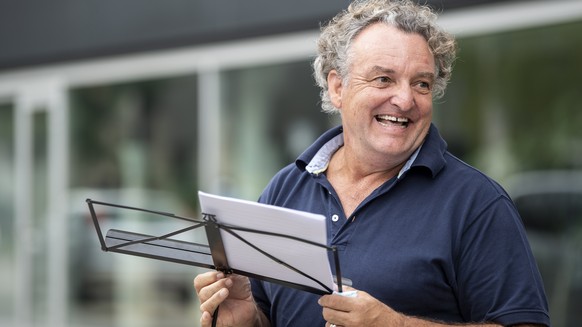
column 208, row 284
column 214, row 301
column 338, row 318
column 208, row 287
column 205, row 279
column 338, row 308
column 212, row 290
column 206, row 319
column 337, row 302
column 231, row 293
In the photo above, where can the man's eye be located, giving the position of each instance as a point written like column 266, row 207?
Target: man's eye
column 381, row 81
column 424, row 85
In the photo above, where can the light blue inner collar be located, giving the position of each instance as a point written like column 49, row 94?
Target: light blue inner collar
column 321, row 160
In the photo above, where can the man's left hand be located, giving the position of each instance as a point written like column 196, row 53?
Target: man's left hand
column 361, row 310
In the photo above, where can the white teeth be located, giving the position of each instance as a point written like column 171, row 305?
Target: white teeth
column 393, row 119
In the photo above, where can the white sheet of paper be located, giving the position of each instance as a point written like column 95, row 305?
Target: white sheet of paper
column 310, row 259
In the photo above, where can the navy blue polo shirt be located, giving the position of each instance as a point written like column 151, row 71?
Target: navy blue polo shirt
column 441, row 240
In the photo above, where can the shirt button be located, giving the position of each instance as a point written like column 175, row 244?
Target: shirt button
column 334, row 218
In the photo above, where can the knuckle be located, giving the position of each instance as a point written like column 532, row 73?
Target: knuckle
column 205, row 294
column 196, row 283
column 200, row 281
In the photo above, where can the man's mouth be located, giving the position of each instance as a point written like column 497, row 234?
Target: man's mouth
column 392, row 120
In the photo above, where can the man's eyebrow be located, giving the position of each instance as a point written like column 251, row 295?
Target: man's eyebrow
column 383, row 70
column 380, row 69
column 429, row 75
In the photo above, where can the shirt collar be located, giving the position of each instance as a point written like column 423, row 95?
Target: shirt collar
column 430, row 155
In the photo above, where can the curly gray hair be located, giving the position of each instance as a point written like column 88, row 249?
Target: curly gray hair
column 337, row 36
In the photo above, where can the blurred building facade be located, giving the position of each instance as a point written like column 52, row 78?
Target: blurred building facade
column 145, row 104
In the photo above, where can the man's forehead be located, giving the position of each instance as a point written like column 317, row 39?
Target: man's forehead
column 388, row 40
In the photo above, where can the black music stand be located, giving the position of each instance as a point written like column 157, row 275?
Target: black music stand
column 211, row 256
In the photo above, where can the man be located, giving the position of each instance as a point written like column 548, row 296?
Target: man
column 426, row 239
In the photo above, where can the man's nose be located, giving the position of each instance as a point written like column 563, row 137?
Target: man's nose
column 402, row 96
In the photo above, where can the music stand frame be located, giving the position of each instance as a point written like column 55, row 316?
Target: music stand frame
column 211, row 256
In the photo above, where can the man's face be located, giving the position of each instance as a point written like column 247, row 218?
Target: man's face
column 386, row 102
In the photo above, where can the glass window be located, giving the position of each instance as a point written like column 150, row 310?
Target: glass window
column 39, row 219
column 7, row 222
column 512, row 110
column 271, row 114
column 30, row 236
column 133, row 144
column 512, row 102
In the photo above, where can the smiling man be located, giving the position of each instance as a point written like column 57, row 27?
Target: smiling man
column 386, row 108
column 426, row 239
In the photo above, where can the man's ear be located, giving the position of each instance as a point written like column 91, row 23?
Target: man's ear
column 334, row 87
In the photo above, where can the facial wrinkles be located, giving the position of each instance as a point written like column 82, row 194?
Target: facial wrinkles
column 376, row 48
column 404, row 66
column 398, row 64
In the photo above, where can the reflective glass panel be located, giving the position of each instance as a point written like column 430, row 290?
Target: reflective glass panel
column 513, row 111
column 271, row 114
column 7, row 221
column 132, row 144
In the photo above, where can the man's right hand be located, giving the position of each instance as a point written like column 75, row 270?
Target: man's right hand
column 233, row 294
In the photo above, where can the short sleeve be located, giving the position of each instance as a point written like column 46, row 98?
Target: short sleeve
column 497, row 276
